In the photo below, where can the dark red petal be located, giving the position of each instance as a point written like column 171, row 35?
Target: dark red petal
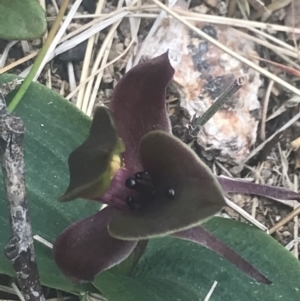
column 171, row 165
column 128, row 265
column 138, row 105
column 239, row 186
column 89, row 164
column 85, row 248
column 207, row 239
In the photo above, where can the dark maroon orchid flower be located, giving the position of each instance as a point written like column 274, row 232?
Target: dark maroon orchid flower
column 159, row 187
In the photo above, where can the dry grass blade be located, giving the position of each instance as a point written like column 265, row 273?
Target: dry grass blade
column 285, row 220
column 275, row 5
column 265, row 110
column 44, row 6
column 273, row 39
column 95, row 29
column 296, row 222
column 190, row 16
column 43, row 241
column 7, row 289
column 283, row 128
column 17, row 292
column 287, row 69
column 151, row 11
column 135, row 24
column 58, row 36
column 244, row 8
column 245, row 215
column 100, row 70
column 151, row 32
column 87, row 59
column 19, row 62
column 292, row 243
column 266, row 44
column 89, row 100
column 91, row 91
column 81, row 37
column 258, row 5
column 101, row 54
column 91, row 28
column 209, row 294
column 290, row 103
column 4, row 54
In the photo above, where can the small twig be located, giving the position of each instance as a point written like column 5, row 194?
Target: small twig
column 197, row 122
column 18, row 62
column 209, row 294
column 265, row 110
column 220, row 101
column 20, row 249
column 285, row 220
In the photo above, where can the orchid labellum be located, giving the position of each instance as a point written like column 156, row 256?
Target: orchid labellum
column 154, row 185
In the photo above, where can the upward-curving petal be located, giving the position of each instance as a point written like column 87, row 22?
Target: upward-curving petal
column 230, row 185
column 86, row 248
column 138, row 105
column 90, row 164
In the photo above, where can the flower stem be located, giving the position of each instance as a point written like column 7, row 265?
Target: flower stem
column 39, row 58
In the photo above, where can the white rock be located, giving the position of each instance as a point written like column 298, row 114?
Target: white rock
column 202, row 73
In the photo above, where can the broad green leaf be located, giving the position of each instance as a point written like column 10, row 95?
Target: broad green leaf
column 54, row 127
column 146, row 289
column 21, row 20
column 172, row 269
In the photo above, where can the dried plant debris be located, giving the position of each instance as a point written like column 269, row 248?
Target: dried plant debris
column 292, row 18
column 202, row 73
column 296, row 147
column 6, row 88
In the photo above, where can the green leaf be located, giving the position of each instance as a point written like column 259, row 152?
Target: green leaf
column 54, row 127
column 21, row 20
column 146, row 289
column 172, row 269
